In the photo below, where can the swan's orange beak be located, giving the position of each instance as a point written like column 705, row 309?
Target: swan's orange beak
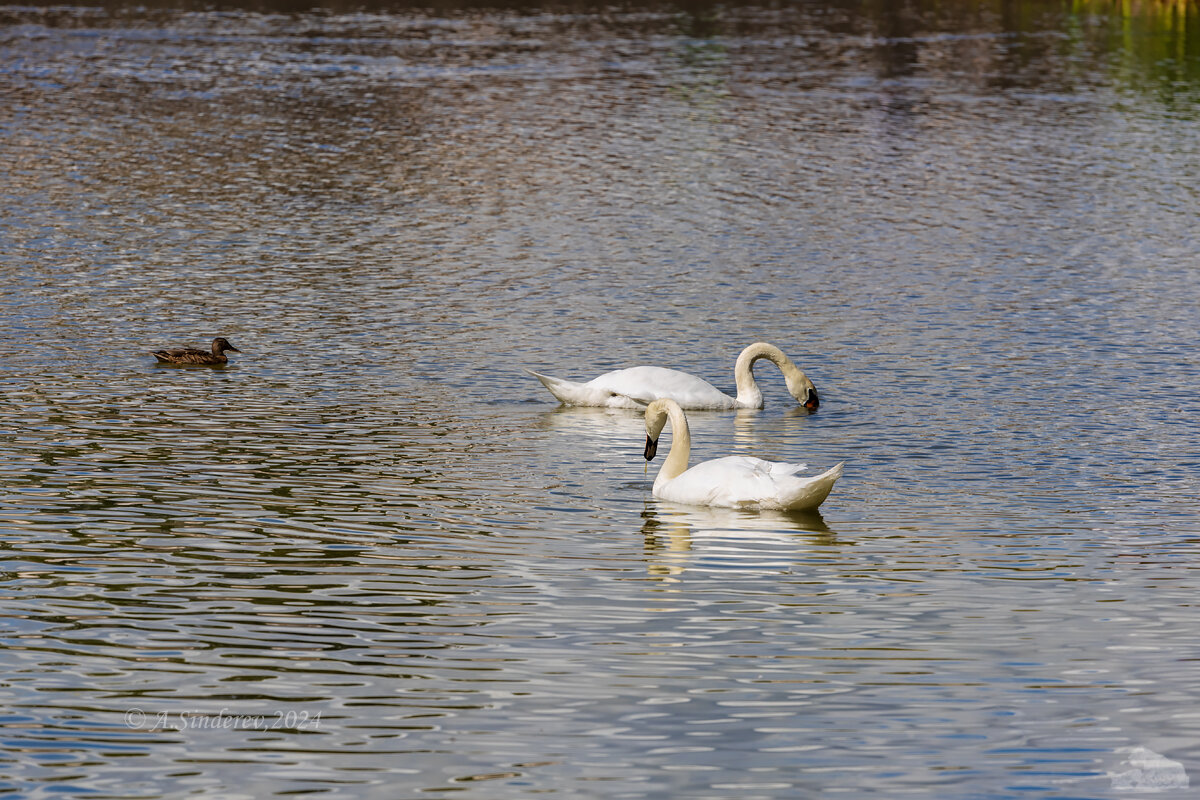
column 651, row 448
column 812, row 402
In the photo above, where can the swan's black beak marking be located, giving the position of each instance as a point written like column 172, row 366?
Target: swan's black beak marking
column 812, row 403
column 651, row 448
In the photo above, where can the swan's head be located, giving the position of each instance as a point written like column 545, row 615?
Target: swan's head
column 656, row 418
column 651, row 448
column 811, row 401
column 798, row 384
column 801, row 388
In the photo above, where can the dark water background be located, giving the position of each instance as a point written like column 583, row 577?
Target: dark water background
column 975, row 226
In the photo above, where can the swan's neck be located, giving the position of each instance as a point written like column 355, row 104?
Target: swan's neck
column 748, row 393
column 681, row 444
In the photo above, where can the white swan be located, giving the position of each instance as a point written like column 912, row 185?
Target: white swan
column 733, row 481
column 637, row 386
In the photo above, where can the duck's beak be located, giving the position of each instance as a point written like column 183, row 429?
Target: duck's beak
column 651, row 448
column 234, row 349
column 812, row 403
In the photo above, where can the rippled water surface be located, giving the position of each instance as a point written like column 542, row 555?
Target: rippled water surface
column 373, row 558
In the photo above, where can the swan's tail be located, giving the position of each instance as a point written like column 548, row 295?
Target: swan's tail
column 811, row 492
column 582, row 394
column 565, row 391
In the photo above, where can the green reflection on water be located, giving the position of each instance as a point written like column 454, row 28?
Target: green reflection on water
column 1148, row 46
column 1155, row 45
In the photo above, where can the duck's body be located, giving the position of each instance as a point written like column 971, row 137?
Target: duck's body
column 731, row 482
column 636, row 386
column 192, row 356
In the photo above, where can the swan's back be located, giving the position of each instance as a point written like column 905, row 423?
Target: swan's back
column 647, row 384
column 750, row 483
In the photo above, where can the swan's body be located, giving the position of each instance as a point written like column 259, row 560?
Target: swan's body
column 733, row 481
column 190, row 355
column 637, row 386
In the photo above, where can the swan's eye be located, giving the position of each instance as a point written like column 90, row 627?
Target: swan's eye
column 651, row 448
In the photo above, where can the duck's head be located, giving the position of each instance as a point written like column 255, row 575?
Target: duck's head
column 221, row 344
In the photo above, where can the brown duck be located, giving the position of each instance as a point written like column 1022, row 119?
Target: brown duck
column 190, row 355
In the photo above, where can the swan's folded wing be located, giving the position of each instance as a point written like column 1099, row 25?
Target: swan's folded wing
column 647, row 384
column 750, row 483
column 781, row 469
column 731, row 482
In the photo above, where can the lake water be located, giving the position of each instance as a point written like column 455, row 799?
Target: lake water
column 373, row 558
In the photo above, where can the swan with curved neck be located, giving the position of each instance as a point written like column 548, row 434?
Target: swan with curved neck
column 732, row 481
column 636, row 386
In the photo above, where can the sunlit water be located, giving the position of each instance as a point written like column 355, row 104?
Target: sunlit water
column 377, row 540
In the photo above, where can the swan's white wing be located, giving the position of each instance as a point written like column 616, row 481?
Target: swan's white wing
column 743, row 482
column 782, row 469
column 646, row 384
column 733, row 481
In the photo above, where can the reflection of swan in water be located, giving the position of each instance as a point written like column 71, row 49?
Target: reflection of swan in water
column 607, row 423
column 780, row 526
column 1144, row 770
column 613, row 429
column 629, row 388
column 732, row 481
column 604, row 433
column 686, row 537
